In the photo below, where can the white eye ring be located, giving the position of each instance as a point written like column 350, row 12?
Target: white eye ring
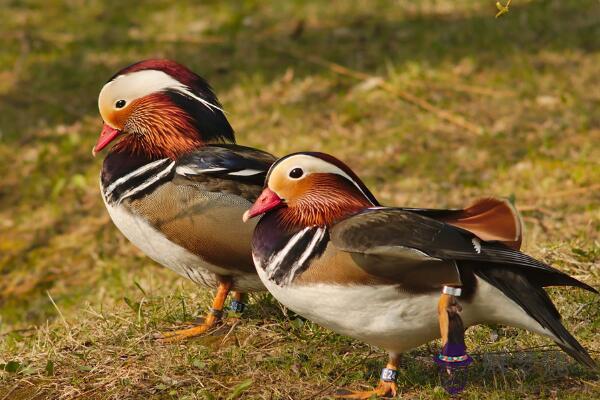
column 296, row 173
column 120, row 103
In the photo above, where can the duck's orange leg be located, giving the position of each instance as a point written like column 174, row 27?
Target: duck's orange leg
column 453, row 358
column 211, row 320
column 387, row 387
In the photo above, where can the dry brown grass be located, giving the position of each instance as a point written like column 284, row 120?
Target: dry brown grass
column 528, row 79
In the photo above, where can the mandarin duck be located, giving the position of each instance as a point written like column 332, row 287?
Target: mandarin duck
column 325, row 248
column 176, row 184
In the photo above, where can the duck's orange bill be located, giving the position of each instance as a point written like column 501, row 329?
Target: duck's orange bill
column 267, row 201
column 107, row 135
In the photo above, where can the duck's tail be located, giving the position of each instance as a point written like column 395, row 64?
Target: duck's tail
column 530, row 295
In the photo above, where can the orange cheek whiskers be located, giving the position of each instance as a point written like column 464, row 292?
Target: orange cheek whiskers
column 158, row 128
column 322, row 208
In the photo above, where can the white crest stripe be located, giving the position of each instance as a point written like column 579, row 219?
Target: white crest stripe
column 186, row 91
column 137, row 84
column 312, row 164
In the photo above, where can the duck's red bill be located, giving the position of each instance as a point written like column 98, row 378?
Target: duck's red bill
column 267, row 201
column 107, row 135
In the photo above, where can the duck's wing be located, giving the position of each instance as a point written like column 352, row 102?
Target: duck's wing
column 402, row 237
column 226, row 168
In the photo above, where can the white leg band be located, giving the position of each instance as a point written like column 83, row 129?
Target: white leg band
column 454, row 291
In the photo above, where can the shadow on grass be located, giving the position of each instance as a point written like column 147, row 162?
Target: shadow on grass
column 523, row 372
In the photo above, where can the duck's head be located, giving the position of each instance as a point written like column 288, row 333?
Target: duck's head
column 312, row 189
column 161, row 109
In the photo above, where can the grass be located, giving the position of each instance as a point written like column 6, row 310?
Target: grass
column 79, row 305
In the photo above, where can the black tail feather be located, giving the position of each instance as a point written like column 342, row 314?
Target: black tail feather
column 558, row 279
column 580, row 354
column 531, row 296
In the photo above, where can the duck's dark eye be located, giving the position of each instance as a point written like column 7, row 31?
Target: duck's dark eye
column 296, row 173
column 120, row 104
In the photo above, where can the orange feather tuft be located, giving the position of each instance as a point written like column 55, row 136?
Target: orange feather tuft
column 158, row 128
column 323, row 199
column 491, row 219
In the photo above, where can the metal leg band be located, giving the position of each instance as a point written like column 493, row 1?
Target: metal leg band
column 237, row 306
column 454, row 291
column 389, row 375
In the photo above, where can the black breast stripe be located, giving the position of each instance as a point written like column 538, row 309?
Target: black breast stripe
column 295, row 256
column 140, row 182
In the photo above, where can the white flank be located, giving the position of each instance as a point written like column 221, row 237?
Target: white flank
column 147, row 183
column 246, row 172
column 133, row 174
column 393, row 319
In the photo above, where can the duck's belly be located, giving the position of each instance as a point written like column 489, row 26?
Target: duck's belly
column 380, row 315
column 391, row 319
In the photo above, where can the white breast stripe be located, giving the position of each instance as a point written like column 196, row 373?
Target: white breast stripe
column 320, row 232
column 315, row 240
column 147, row 183
column 246, row 172
column 276, row 259
column 133, row 174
